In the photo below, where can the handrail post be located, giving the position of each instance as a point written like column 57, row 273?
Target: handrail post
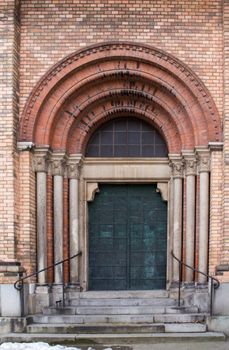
column 22, row 299
column 211, row 296
column 179, row 287
column 63, row 300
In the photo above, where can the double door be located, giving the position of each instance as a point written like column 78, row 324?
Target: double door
column 127, row 238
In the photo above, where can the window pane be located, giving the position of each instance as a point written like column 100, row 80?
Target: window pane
column 134, row 125
column 148, row 137
column 127, row 137
column 93, row 151
column 159, row 139
column 120, row 138
column 120, row 125
column 106, row 138
column 161, row 151
column 134, row 138
column 148, row 151
column 95, row 139
column 106, row 151
column 134, row 151
column 120, row 151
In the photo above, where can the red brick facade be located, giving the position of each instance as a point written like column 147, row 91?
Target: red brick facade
column 84, row 62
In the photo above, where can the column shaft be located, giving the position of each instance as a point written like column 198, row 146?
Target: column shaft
column 58, row 226
column 74, row 224
column 41, row 226
column 177, row 224
column 190, row 225
column 203, row 228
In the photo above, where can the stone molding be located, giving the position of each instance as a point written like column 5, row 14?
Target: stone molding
column 162, row 188
column 92, row 189
column 41, row 160
column 25, row 146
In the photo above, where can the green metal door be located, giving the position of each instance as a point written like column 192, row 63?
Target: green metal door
column 127, row 238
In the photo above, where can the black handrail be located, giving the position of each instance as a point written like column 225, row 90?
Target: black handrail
column 212, row 286
column 19, row 284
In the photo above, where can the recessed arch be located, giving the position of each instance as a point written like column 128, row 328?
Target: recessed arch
column 80, row 83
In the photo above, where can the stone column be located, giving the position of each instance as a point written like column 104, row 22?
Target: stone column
column 190, row 172
column 176, row 164
column 204, row 168
column 73, row 174
column 40, row 163
column 58, row 163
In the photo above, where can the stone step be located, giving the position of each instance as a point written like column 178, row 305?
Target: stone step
column 117, row 328
column 106, row 318
column 118, row 310
column 113, row 339
column 122, row 302
column 124, row 294
column 95, row 328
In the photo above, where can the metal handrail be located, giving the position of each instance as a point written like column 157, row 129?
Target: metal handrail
column 19, row 284
column 212, row 286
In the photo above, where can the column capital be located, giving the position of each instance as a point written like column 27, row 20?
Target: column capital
column 58, row 164
column 203, row 158
column 190, row 163
column 41, row 159
column 73, row 167
column 177, row 165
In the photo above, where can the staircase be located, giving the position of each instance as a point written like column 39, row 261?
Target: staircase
column 119, row 317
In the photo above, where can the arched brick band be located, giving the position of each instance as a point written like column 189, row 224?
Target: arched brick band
column 113, row 79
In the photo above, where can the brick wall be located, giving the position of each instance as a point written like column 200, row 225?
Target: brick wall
column 191, row 30
column 51, row 29
column 9, row 70
column 225, row 238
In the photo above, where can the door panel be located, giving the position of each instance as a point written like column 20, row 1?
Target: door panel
column 127, row 238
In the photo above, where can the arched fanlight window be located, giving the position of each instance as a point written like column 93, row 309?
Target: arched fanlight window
column 126, row 137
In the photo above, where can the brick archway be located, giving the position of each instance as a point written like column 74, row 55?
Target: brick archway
column 114, row 78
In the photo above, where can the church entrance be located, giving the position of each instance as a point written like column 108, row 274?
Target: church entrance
column 127, row 238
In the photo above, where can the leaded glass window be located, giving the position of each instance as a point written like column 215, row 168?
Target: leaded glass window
column 126, row 137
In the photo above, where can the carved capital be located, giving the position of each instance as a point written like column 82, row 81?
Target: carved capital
column 41, row 160
column 73, row 167
column 204, row 164
column 177, row 166
column 190, row 165
column 204, row 160
column 58, row 163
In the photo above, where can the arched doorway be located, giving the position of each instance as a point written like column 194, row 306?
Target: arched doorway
column 127, row 222
column 81, row 93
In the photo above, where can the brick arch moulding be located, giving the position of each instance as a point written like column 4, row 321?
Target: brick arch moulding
column 113, row 79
